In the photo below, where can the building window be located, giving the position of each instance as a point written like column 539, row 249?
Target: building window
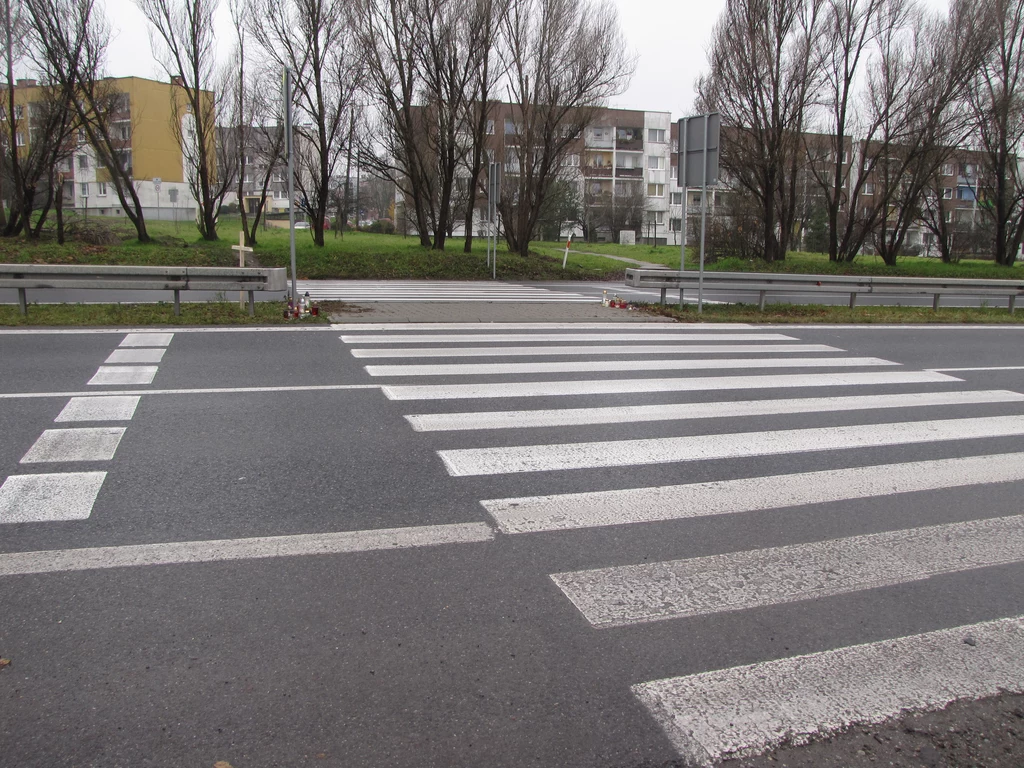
column 675, row 225
column 655, row 190
column 656, row 135
column 947, row 193
column 964, row 193
column 101, row 189
column 655, row 162
column 869, row 188
column 659, row 217
column 83, row 161
column 676, row 198
column 510, row 127
column 19, row 139
column 947, row 169
column 19, row 111
column 83, row 189
column 571, row 161
column 969, row 169
column 947, row 216
column 490, row 127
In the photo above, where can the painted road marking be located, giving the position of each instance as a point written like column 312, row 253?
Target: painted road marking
column 146, row 340
column 115, row 374
column 629, row 414
column 181, row 552
column 623, row 453
column 633, row 386
column 621, row 366
column 139, row 355
column 698, row 586
column 634, row 349
column 49, row 498
column 196, row 391
column 655, row 321
column 989, row 368
column 79, row 444
column 676, row 335
column 101, row 408
column 748, row 710
column 570, row 511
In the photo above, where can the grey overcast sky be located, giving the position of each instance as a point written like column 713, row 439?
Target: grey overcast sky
column 670, row 39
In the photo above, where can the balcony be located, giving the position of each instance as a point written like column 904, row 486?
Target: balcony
column 626, row 173
column 597, row 171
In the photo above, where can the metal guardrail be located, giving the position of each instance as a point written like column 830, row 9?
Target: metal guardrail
column 177, row 279
column 764, row 283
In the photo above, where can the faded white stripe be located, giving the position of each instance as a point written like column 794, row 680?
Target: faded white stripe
column 610, row 326
column 623, row 453
column 634, row 349
column 988, row 368
column 196, row 391
column 181, row 552
column 138, row 355
column 692, row 384
column 437, row 422
column 79, row 444
column 49, row 497
column 632, row 594
column 569, row 511
column 748, row 710
column 117, row 374
column 677, row 334
column 146, row 340
column 608, row 366
column 101, row 408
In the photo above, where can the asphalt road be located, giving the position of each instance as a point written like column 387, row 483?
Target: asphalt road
column 470, row 634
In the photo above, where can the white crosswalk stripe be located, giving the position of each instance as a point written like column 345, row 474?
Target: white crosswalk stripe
column 746, row 710
column 365, row 291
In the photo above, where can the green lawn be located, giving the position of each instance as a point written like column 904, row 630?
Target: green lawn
column 362, row 255
column 817, row 313
column 355, row 255
column 130, row 315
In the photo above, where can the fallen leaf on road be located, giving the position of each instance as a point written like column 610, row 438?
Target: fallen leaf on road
column 222, row 764
column 5, row 663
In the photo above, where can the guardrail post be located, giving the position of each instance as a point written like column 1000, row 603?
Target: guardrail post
column 252, row 305
column 681, row 298
column 1013, row 302
column 663, row 292
column 22, row 301
column 177, row 302
column 935, row 302
column 760, row 301
column 853, row 300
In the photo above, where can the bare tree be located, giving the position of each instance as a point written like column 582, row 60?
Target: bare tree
column 12, row 53
column 764, row 74
column 997, row 105
column 849, row 31
column 313, row 38
column 563, row 59
column 72, row 37
column 922, row 96
column 184, row 43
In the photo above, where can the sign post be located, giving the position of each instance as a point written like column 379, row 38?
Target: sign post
column 242, row 249
column 289, row 148
column 156, row 186
column 698, row 167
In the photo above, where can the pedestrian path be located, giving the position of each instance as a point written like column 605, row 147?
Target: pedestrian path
column 364, row 291
column 484, row 399
column 61, row 495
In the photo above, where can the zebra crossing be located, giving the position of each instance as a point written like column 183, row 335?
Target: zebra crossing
column 718, row 714
column 363, row 291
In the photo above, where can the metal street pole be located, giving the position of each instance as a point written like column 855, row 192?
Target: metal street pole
column 291, row 174
column 703, row 217
column 683, row 123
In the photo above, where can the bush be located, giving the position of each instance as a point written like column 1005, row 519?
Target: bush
column 382, row 227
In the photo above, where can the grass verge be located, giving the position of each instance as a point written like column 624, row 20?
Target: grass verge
column 818, row 313
column 213, row 313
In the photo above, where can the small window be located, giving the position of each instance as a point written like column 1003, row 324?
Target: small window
column 676, row 198
column 19, row 111
column 655, row 190
column 656, row 135
column 655, row 162
column 869, row 188
column 83, row 161
column 947, row 169
column 83, row 189
column 675, row 225
column 659, row 217
column 81, row 135
column 947, row 193
column 101, row 189
column 19, row 139
column 490, row 127
column 571, row 161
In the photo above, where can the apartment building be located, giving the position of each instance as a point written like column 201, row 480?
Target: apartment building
column 143, row 124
